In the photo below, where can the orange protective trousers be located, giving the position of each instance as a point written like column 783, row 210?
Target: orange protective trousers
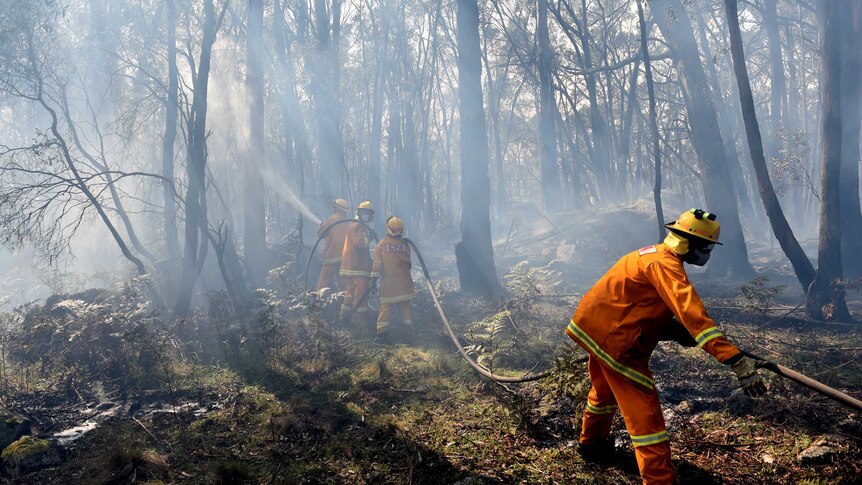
column 385, row 314
column 641, row 411
column 328, row 274
column 355, row 296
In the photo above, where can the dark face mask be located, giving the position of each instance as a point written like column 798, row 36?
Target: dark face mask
column 366, row 216
column 698, row 254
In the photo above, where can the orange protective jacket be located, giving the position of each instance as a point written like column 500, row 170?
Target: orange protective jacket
column 333, row 245
column 622, row 317
column 392, row 265
column 356, row 257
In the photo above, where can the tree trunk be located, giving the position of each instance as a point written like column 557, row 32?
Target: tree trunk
column 292, row 113
column 851, row 123
column 330, row 143
column 776, row 78
column 254, row 211
column 474, row 253
column 550, row 174
column 375, row 136
column 656, row 149
column 172, row 241
column 825, row 297
column 783, row 233
column 706, row 138
column 196, row 230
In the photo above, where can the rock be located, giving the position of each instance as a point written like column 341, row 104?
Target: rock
column 685, row 407
column 819, row 452
column 12, row 427
column 477, row 480
column 28, row 454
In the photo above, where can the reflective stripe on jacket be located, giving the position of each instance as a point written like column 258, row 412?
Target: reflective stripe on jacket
column 621, row 318
column 392, row 264
column 356, row 257
column 333, row 245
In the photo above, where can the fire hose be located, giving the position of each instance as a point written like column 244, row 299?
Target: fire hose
column 463, row 353
column 323, row 235
column 806, row 381
column 778, row 369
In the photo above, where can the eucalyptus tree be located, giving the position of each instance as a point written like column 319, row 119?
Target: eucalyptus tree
column 825, row 299
column 474, row 253
column 673, row 21
column 52, row 184
column 801, row 265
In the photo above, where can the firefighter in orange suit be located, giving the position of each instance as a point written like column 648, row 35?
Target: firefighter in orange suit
column 333, row 244
column 356, row 265
column 392, row 266
column 644, row 298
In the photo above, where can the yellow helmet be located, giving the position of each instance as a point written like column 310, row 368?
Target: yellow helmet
column 340, row 204
column 698, row 223
column 394, row 227
column 366, row 206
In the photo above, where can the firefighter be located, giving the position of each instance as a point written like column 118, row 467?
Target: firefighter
column 644, row 298
column 392, row 266
column 356, row 265
column 333, row 244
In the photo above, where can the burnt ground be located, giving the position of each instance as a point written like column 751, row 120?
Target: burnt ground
column 285, row 397
column 337, row 408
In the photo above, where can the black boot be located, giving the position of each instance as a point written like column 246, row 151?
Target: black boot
column 601, row 453
column 383, row 339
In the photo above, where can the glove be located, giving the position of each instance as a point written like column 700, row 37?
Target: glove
column 373, row 286
column 749, row 380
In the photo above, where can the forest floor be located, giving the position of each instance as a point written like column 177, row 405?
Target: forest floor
column 289, row 398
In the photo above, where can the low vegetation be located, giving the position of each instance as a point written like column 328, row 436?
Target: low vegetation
column 285, row 397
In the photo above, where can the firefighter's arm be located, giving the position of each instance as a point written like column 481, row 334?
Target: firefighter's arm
column 677, row 292
column 321, row 229
column 676, row 332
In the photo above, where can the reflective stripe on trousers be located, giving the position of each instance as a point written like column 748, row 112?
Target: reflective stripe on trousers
column 385, row 314
column 641, row 411
column 355, row 295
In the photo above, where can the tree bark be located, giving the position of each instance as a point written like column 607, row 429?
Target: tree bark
column 474, row 253
column 776, row 79
column 851, row 123
column 825, row 297
column 196, row 230
column 172, row 241
column 550, row 174
column 330, row 143
column 783, row 233
column 254, row 211
column 706, row 137
column 656, row 149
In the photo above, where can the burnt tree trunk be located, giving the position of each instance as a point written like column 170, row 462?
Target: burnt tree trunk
column 330, row 143
column 254, row 210
column 196, row 230
column 825, row 297
column 706, row 138
column 172, row 241
column 776, row 79
column 653, row 125
column 550, row 175
column 851, row 123
column 474, row 253
column 783, row 233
